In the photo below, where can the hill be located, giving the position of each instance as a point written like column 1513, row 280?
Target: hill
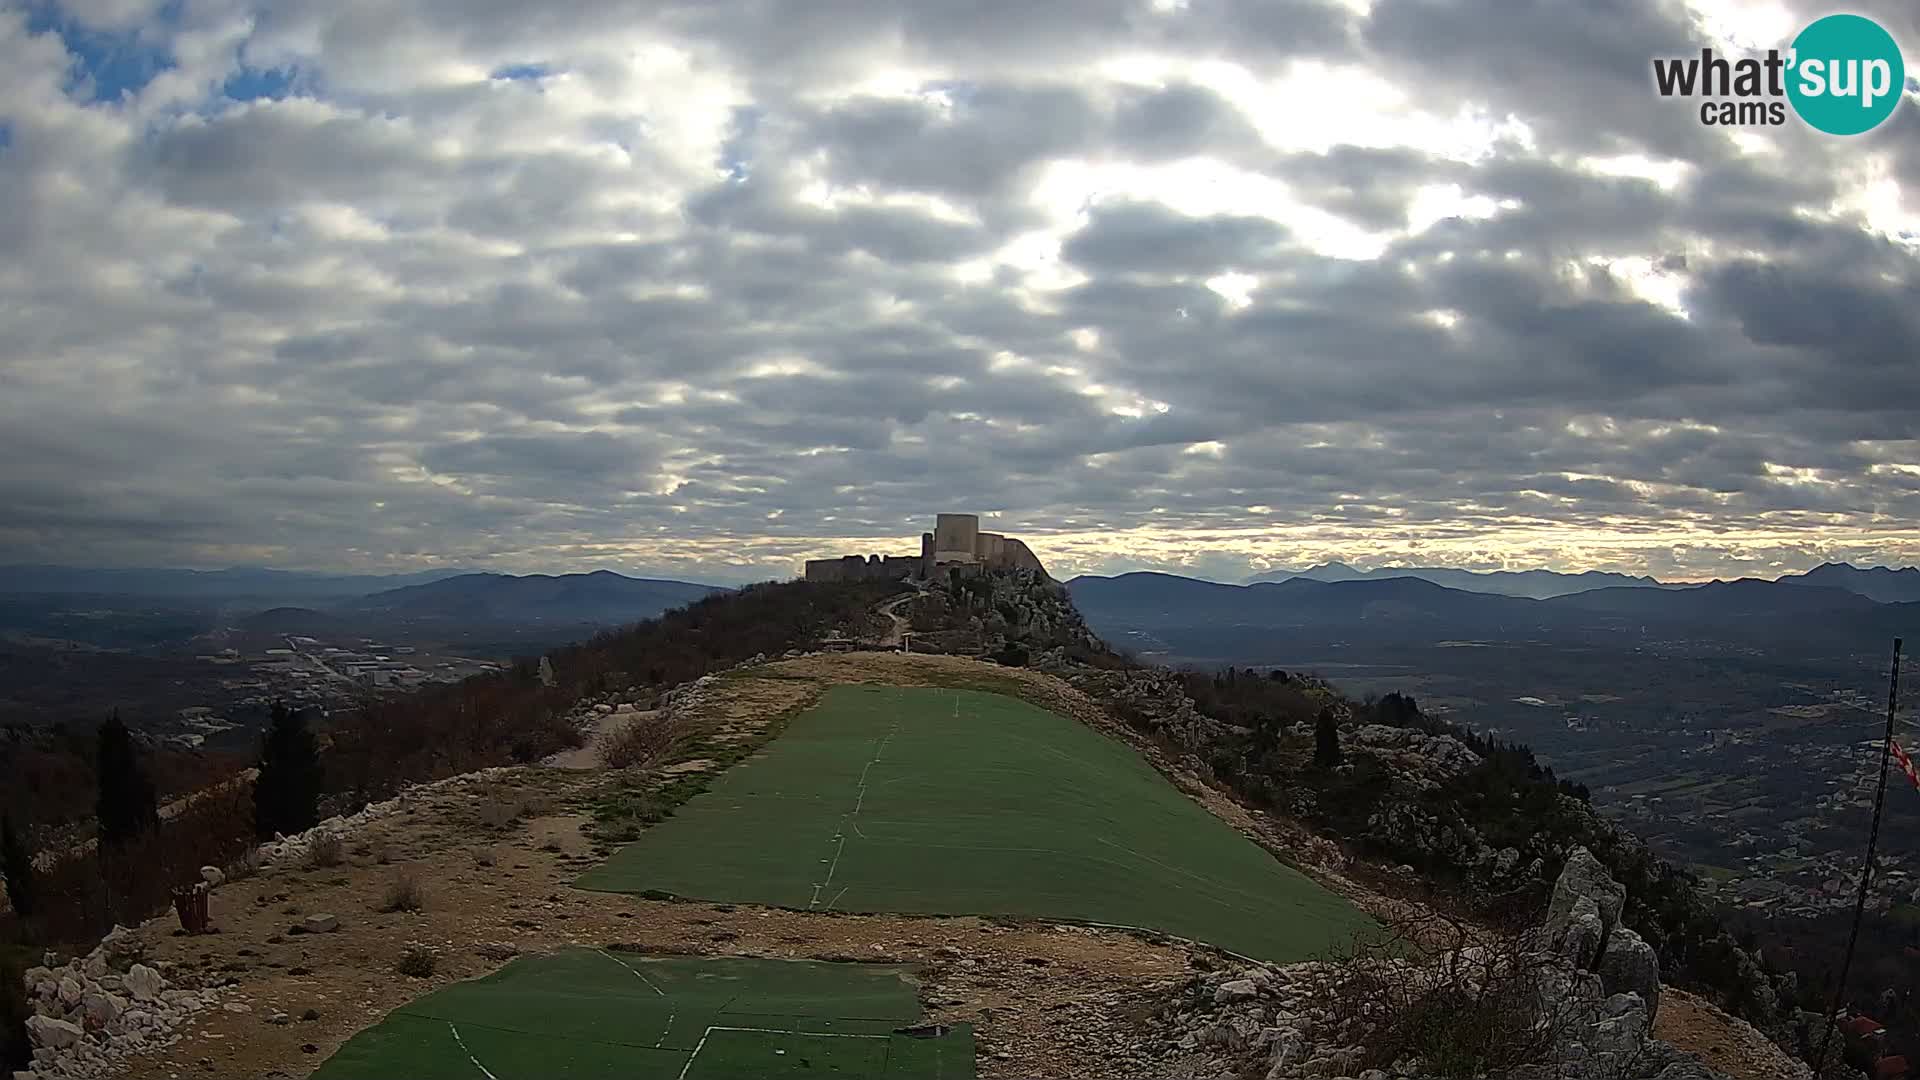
column 1532, row 584
column 602, row 597
column 1748, row 609
column 1888, row 586
column 233, row 583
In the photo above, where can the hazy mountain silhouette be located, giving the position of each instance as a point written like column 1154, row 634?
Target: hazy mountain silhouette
column 600, row 597
column 1878, row 582
column 233, row 583
column 1534, row 584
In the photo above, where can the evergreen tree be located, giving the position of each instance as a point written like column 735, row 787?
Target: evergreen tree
column 126, row 805
column 286, row 797
column 16, row 862
column 1326, row 740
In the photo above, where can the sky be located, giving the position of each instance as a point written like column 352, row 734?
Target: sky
column 702, row 288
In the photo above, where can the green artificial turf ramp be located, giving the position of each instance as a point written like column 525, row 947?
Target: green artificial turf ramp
column 936, row 801
column 585, row 1014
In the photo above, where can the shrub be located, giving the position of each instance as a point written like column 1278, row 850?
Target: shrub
column 246, row 866
column 286, row 796
column 404, row 893
column 16, row 864
column 1326, row 740
column 636, row 744
column 324, row 850
column 1476, row 1010
column 500, row 811
column 16, row 1049
column 126, row 806
column 416, row 961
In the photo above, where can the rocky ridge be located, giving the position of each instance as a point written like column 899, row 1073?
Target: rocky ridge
column 1591, row 992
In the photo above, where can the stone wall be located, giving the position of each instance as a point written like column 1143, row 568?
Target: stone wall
column 864, row 568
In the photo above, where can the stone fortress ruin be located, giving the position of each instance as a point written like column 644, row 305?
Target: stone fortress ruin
column 956, row 545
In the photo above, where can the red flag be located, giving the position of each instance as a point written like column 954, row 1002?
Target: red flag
column 1906, row 766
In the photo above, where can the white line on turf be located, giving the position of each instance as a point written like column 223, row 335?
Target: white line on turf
column 840, row 835
column 697, row 1047
column 469, row 1053
column 671, row 1014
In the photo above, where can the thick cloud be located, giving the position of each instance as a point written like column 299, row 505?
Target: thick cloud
column 705, row 288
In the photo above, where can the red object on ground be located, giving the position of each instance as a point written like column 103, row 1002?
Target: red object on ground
column 1890, row 1068
column 1861, row 1026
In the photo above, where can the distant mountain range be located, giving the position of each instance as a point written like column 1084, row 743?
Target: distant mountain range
column 1878, row 582
column 1412, row 606
column 600, row 597
column 1535, row 584
column 235, row 583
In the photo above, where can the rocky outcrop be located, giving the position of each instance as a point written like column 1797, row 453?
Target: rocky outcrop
column 1587, row 1020
column 1421, row 760
column 1153, row 700
column 94, row 1011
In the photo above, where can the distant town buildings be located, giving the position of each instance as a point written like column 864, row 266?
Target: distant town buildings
column 956, row 544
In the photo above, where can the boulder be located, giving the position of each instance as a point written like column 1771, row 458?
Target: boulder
column 320, row 924
column 1580, row 936
column 52, row 1034
column 213, row 876
column 70, row 991
column 123, row 943
column 1629, row 966
column 1584, row 876
column 1236, row 990
column 144, row 983
column 101, row 1009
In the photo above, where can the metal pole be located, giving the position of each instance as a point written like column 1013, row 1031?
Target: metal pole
column 1866, row 873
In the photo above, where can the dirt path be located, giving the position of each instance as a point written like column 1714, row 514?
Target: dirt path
column 901, row 624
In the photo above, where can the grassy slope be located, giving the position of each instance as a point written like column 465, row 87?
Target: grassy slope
column 934, row 801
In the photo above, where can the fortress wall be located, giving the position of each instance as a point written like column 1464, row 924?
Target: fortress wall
column 955, row 537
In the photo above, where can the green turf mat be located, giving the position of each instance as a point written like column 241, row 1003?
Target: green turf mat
column 586, row 1014
column 935, row 801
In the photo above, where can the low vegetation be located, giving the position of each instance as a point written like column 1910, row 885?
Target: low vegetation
column 416, row 961
column 1480, row 1013
column 404, row 893
column 637, row 743
column 325, row 850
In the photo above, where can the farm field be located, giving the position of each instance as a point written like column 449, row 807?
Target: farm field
column 939, row 801
column 589, row 1014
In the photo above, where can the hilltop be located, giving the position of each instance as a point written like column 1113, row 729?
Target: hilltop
column 1419, row 816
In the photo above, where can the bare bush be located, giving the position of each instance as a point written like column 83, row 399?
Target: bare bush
column 416, row 961
column 404, row 893
column 637, row 743
column 1474, row 1008
column 324, row 850
column 245, row 866
column 500, row 810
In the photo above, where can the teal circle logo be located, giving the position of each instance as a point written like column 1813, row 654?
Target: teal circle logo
column 1846, row 76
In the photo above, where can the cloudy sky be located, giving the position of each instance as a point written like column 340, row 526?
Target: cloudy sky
column 705, row 287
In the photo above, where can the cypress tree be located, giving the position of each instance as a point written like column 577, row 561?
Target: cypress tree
column 16, row 862
column 1326, row 740
column 126, row 805
column 286, row 796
